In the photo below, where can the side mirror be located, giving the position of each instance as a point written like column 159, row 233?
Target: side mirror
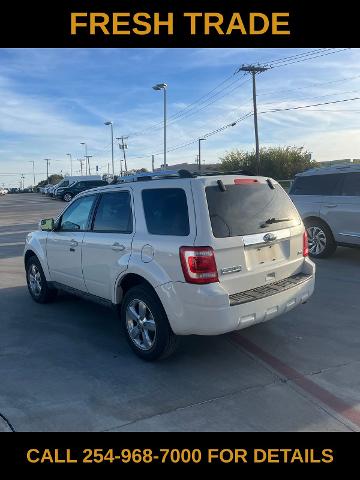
column 47, row 224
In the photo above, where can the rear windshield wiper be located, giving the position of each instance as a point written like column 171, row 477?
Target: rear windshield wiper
column 269, row 221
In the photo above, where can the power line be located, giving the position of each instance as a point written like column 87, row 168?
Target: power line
column 312, row 105
column 192, row 109
column 312, row 85
column 280, row 100
column 309, row 56
column 249, row 114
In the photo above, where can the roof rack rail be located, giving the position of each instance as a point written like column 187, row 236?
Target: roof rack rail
column 216, row 173
column 143, row 177
column 173, row 174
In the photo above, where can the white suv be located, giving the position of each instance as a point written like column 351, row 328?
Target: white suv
column 177, row 254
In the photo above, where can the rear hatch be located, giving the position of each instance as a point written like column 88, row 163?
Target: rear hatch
column 256, row 229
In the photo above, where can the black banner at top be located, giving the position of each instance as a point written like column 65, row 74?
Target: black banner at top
column 178, row 23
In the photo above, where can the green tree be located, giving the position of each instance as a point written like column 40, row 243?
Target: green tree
column 53, row 179
column 276, row 162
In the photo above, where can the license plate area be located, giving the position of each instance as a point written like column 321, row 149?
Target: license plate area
column 257, row 256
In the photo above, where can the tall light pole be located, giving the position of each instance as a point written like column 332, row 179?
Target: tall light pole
column 200, row 140
column 163, row 86
column 253, row 70
column 70, row 156
column 112, row 145
column 33, row 164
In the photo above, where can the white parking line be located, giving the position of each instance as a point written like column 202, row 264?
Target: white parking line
column 12, row 244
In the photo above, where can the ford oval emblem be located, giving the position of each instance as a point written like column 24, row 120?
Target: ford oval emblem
column 269, row 237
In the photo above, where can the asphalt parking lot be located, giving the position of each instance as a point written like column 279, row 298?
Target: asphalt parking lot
column 65, row 365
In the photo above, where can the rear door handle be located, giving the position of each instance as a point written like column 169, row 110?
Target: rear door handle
column 73, row 243
column 117, row 247
column 330, row 206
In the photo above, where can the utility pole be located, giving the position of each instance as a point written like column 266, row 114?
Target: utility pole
column 22, row 184
column 153, row 163
column 81, row 165
column 47, row 160
column 87, row 162
column 86, row 152
column 253, row 70
column 123, row 147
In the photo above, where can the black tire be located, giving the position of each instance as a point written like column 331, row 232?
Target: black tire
column 46, row 293
column 321, row 239
column 162, row 342
column 67, row 197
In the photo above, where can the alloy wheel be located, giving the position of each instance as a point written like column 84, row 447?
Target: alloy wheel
column 35, row 280
column 140, row 324
column 317, row 240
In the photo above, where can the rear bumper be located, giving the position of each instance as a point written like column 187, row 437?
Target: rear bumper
column 208, row 309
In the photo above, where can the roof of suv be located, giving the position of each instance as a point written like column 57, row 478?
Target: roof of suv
column 336, row 168
column 157, row 178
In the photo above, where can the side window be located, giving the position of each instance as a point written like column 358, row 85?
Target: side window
column 114, row 213
column 76, row 217
column 166, row 211
column 316, row 185
column 351, row 185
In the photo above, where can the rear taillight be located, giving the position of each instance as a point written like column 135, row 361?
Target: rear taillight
column 198, row 264
column 305, row 244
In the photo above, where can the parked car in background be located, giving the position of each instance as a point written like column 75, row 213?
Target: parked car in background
column 328, row 199
column 45, row 188
column 69, row 180
column 176, row 254
column 3, row 191
column 68, row 193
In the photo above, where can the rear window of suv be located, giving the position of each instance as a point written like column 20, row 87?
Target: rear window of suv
column 316, row 185
column 166, row 211
column 248, row 209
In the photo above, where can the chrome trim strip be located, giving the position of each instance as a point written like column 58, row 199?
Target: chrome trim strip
column 258, row 238
column 356, row 235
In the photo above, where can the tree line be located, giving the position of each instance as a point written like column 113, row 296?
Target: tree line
column 280, row 163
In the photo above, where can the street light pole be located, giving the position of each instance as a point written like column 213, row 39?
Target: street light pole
column 70, row 156
column 163, row 86
column 112, row 146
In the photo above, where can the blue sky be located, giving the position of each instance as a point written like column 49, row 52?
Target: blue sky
column 53, row 99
